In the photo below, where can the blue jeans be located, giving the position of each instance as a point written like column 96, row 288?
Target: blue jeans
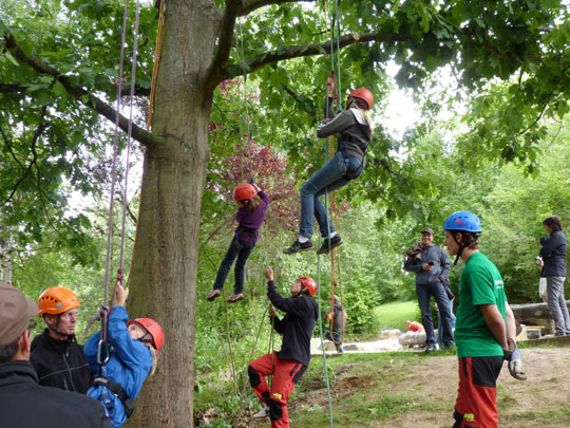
column 238, row 250
column 330, row 177
column 440, row 325
column 425, row 293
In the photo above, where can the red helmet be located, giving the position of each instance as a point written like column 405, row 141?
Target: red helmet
column 57, row 300
column 309, row 284
column 364, row 95
column 153, row 328
column 244, row 191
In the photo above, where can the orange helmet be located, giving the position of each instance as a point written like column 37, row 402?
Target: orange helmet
column 153, row 328
column 57, row 300
column 309, row 284
column 364, row 95
column 244, row 191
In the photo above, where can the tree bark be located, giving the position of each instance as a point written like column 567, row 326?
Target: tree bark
column 533, row 311
column 163, row 272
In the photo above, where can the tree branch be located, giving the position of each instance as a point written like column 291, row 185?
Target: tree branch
column 225, row 41
column 291, row 52
column 81, row 94
column 248, row 6
column 11, row 88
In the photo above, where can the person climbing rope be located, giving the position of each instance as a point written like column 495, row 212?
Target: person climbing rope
column 56, row 356
column 288, row 365
column 354, row 127
column 337, row 318
column 134, row 348
column 252, row 205
column 485, row 331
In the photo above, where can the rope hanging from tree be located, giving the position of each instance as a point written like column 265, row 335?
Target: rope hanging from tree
column 103, row 351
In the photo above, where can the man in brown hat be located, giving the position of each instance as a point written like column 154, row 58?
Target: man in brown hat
column 23, row 402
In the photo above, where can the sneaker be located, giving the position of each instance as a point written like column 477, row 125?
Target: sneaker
column 329, row 244
column 430, row 348
column 298, row 247
column 213, row 295
column 263, row 413
column 235, row 298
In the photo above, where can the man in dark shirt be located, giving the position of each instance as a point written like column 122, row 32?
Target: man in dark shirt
column 337, row 320
column 288, row 365
column 24, row 403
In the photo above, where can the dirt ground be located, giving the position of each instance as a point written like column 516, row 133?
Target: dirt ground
column 422, row 394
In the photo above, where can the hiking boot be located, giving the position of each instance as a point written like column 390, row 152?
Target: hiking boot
column 235, row 298
column 329, row 244
column 213, row 295
column 263, row 413
column 297, row 247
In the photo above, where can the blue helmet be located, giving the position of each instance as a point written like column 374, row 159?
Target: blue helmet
column 463, row 221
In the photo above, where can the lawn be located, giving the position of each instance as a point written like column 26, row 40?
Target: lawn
column 395, row 314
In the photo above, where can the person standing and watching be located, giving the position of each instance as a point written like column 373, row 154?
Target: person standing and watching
column 56, row 355
column 552, row 260
column 431, row 265
column 485, row 331
column 23, row 402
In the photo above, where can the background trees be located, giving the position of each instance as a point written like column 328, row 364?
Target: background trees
column 57, row 70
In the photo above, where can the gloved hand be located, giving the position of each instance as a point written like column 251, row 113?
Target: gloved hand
column 513, row 357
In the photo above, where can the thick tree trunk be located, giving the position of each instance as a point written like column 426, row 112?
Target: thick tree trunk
column 163, row 271
column 533, row 311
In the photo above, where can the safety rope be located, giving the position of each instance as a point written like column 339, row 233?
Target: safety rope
column 157, row 53
column 103, row 353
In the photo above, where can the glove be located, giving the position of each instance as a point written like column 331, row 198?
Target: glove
column 513, row 357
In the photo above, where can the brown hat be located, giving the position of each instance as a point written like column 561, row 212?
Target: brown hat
column 427, row 230
column 15, row 313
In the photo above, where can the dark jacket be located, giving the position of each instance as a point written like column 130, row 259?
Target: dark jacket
column 553, row 253
column 338, row 318
column 60, row 363
column 26, row 404
column 440, row 270
column 355, row 133
column 297, row 325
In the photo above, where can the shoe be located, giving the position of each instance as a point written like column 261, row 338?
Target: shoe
column 340, row 349
column 263, row 413
column 236, row 298
column 329, row 244
column 298, row 247
column 213, row 295
column 430, row 348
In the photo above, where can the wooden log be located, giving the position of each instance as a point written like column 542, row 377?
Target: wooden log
column 532, row 311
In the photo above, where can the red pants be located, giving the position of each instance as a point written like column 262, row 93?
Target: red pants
column 286, row 373
column 476, row 405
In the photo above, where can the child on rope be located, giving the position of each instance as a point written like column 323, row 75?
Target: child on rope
column 134, row 347
column 252, row 205
column 288, row 365
column 485, row 331
column 354, row 128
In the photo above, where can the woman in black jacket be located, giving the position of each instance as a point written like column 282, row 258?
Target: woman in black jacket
column 553, row 261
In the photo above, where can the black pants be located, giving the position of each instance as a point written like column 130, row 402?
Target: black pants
column 238, row 250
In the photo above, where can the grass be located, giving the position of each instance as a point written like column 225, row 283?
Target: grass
column 395, row 314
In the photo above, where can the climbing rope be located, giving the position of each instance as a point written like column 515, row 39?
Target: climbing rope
column 157, row 53
column 103, row 354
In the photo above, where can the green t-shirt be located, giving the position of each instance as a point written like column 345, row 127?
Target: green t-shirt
column 481, row 284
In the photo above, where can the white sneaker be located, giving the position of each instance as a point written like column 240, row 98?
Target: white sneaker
column 263, row 413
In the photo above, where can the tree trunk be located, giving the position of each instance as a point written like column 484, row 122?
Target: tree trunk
column 165, row 255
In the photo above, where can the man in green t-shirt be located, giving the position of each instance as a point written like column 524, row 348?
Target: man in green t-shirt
column 485, row 330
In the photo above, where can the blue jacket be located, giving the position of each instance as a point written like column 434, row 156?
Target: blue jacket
column 553, row 253
column 129, row 365
column 440, row 270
